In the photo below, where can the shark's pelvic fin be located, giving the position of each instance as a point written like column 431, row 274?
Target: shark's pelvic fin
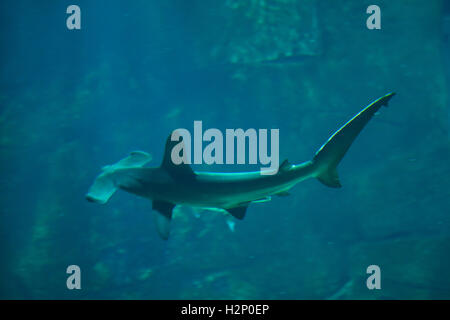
column 163, row 216
column 238, row 212
column 103, row 187
column 332, row 152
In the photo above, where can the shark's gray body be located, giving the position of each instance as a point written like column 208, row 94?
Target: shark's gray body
column 170, row 184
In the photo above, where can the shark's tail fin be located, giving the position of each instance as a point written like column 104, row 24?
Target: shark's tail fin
column 332, row 152
column 104, row 186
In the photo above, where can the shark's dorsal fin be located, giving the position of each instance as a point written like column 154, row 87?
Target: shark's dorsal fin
column 238, row 212
column 163, row 217
column 179, row 170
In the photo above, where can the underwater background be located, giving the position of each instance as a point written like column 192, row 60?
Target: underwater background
column 72, row 101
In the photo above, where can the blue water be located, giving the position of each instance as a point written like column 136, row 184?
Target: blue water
column 72, row 101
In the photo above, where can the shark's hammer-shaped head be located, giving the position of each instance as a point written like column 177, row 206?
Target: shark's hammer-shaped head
column 112, row 176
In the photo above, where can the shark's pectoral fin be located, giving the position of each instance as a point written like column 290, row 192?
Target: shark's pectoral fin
column 162, row 225
column 238, row 212
column 163, row 216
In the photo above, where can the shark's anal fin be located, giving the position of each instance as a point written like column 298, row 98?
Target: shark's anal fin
column 163, row 216
column 238, row 212
column 262, row 200
column 182, row 170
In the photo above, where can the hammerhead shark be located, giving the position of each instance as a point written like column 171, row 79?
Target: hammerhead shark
column 169, row 184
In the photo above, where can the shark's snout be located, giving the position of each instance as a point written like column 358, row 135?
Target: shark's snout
column 90, row 198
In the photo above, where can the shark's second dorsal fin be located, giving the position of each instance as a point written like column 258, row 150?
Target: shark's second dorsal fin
column 179, row 170
column 285, row 166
